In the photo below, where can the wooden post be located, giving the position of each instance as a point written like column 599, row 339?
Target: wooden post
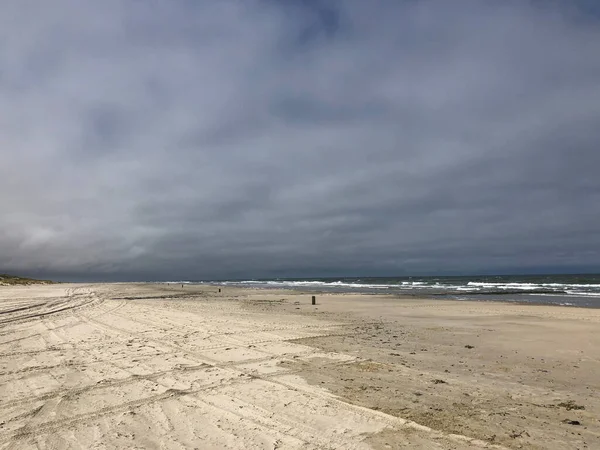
column 314, row 300
column 219, row 289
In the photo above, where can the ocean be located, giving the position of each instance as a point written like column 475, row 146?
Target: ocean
column 565, row 290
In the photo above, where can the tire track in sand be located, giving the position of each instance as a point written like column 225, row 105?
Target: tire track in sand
column 307, row 390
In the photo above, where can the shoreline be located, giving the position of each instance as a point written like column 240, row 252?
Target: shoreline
column 580, row 290
column 477, row 298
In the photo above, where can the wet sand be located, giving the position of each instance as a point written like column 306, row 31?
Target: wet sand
column 160, row 366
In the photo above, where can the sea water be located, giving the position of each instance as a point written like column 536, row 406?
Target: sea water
column 566, row 290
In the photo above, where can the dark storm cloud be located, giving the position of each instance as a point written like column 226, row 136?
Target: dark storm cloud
column 239, row 139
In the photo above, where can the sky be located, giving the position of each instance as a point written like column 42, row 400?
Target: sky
column 169, row 140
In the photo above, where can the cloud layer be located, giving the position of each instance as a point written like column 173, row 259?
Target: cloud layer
column 169, row 140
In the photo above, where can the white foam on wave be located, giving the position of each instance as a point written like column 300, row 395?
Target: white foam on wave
column 586, row 294
column 530, row 286
column 521, row 286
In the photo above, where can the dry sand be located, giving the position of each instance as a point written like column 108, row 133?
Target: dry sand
column 155, row 366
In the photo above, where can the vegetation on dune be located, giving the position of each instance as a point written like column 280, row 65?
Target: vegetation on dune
column 10, row 280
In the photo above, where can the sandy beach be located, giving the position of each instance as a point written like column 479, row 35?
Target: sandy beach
column 107, row 366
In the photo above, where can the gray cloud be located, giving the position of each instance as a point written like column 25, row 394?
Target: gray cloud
column 262, row 138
